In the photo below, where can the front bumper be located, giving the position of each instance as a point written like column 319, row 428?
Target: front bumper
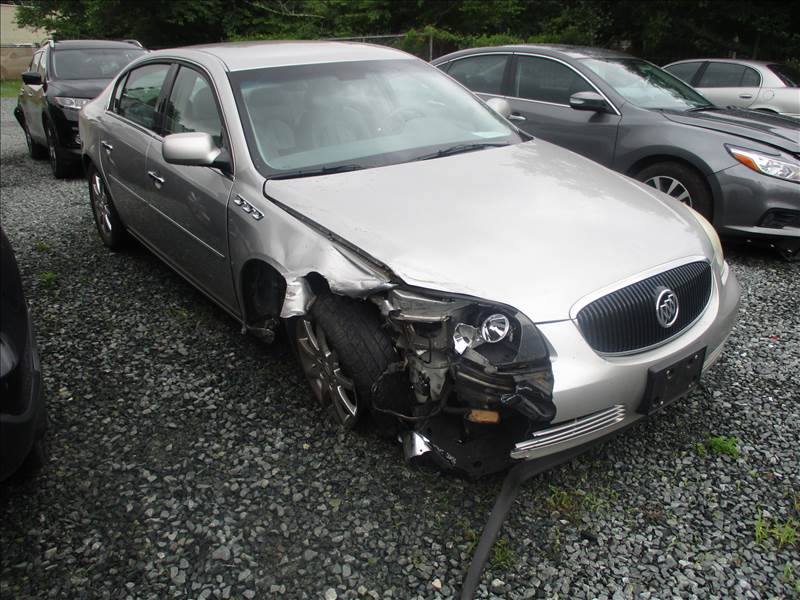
column 65, row 122
column 597, row 395
column 23, row 418
column 748, row 199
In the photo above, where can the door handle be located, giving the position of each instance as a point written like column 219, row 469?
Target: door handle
column 157, row 180
column 745, row 96
column 107, row 146
column 516, row 117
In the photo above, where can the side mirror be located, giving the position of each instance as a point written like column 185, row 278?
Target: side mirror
column 194, row 149
column 32, row 78
column 500, row 106
column 589, row 101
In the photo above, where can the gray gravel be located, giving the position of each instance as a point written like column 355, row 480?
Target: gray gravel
column 190, row 461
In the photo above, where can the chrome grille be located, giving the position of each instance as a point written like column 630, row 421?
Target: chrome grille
column 624, row 321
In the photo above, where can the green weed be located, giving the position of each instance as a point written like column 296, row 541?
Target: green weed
column 718, row 444
column 41, row 246
column 48, row 278
column 503, row 556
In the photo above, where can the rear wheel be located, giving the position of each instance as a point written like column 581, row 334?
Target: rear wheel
column 109, row 225
column 344, row 353
column 680, row 182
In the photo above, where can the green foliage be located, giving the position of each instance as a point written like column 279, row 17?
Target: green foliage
column 783, row 533
column 503, row 556
column 48, row 278
column 9, row 88
column 718, row 444
column 660, row 30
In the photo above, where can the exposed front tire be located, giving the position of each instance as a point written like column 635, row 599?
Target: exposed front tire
column 680, row 182
column 35, row 150
column 344, row 352
column 60, row 167
column 109, row 225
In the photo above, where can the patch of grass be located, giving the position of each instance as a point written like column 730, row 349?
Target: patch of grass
column 562, row 501
column 503, row 556
column 179, row 313
column 48, row 278
column 41, row 246
column 718, row 444
column 9, row 88
column 786, row 533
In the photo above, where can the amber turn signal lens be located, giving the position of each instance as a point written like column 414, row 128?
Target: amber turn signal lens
column 490, row 417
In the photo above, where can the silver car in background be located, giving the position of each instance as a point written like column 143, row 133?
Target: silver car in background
column 485, row 297
column 757, row 85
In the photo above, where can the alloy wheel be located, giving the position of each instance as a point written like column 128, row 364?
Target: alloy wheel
column 671, row 187
column 102, row 209
column 321, row 365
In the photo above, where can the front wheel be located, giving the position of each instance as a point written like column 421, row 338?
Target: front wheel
column 681, row 183
column 109, row 225
column 60, row 167
column 344, row 353
column 35, row 150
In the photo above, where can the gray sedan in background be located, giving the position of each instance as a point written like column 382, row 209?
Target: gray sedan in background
column 757, row 85
column 740, row 169
column 487, row 298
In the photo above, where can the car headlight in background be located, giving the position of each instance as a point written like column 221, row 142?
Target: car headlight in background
column 716, row 244
column 766, row 164
column 75, row 103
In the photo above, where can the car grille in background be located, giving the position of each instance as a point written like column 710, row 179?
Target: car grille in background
column 625, row 321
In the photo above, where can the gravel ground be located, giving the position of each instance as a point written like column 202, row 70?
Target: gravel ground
column 190, row 461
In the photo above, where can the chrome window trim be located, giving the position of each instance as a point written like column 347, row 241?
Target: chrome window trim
column 509, row 54
column 581, row 75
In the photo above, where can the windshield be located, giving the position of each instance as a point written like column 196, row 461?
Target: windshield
column 359, row 114
column 645, row 85
column 788, row 75
column 95, row 63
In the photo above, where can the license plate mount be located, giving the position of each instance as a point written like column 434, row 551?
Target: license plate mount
column 665, row 384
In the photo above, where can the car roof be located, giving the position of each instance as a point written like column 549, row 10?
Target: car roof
column 241, row 56
column 555, row 50
column 87, row 44
column 738, row 61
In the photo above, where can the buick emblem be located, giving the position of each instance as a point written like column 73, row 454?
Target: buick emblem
column 666, row 307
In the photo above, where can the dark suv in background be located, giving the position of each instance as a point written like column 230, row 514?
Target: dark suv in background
column 740, row 169
column 62, row 77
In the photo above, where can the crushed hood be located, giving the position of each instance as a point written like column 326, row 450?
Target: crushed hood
column 530, row 225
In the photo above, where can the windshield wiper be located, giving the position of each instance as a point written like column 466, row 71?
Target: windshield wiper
column 320, row 171
column 702, row 108
column 461, row 148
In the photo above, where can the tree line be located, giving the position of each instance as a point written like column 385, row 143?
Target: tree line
column 659, row 30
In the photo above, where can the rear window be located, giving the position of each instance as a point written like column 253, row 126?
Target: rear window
column 93, row 63
column 790, row 76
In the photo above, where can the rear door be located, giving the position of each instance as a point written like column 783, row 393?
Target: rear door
column 729, row 84
column 131, row 125
column 191, row 203
column 539, row 92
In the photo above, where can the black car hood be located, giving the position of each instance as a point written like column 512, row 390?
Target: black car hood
column 77, row 88
column 774, row 130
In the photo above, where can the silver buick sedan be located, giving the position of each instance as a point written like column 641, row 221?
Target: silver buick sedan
column 484, row 297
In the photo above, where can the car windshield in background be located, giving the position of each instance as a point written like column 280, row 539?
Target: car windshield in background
column 94, row 63
column 646, row 85
column 790, row 76
column 359, row 114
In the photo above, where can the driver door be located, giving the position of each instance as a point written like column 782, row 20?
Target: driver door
column 191, row 202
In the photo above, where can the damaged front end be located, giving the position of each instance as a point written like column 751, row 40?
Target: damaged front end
column 475, row 379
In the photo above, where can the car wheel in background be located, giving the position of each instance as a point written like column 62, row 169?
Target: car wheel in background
column 35, row 150
column 344, row 354
column 109, row 225
column 681, row 182
column 58, row 165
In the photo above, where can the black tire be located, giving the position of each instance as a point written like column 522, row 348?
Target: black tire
column 692, row 181
column 364, row 350
column 35, row 150
column 61, row 168
column 36, row 459
column 109, row 225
